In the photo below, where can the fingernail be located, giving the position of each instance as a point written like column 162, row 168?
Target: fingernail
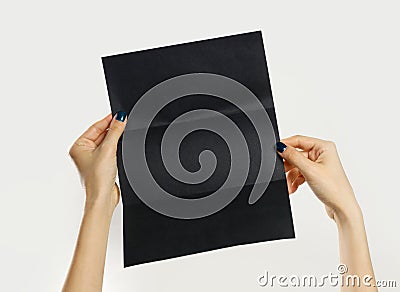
column 120, row 116
column 280, row 147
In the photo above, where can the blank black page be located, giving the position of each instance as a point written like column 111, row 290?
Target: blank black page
column 151, row 234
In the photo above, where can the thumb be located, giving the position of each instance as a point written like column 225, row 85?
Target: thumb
column 294, row 157
column 115, row 130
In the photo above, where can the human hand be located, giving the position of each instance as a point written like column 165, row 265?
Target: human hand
column 317, row 162
column 94, row 154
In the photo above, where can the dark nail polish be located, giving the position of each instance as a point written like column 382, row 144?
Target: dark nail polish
column 280, row 147
column 120, row 116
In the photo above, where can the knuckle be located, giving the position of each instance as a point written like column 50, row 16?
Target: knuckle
column 97, row 130
column 297, row 137
column 301, row 137
column 72, row 151
column 331, row 144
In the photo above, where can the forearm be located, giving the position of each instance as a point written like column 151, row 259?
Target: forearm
column 354, row 251
column 87, row 267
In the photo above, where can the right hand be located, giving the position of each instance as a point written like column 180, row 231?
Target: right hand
column 317, row 162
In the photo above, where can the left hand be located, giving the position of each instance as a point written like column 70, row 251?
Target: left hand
column 94, row 154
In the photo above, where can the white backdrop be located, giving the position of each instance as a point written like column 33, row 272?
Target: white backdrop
column 334, row 69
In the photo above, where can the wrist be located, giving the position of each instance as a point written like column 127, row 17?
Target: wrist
column 99, row 205
column 350, row 215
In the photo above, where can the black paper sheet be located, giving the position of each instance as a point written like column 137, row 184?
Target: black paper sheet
column 197, row 164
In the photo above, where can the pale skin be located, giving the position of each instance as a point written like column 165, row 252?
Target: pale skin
column 306, row 159
column 317, row 162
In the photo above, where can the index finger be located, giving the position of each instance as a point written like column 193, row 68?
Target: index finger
column 97, row 128
column 303, row 142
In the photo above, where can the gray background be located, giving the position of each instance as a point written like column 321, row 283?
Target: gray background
column 334, row 69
